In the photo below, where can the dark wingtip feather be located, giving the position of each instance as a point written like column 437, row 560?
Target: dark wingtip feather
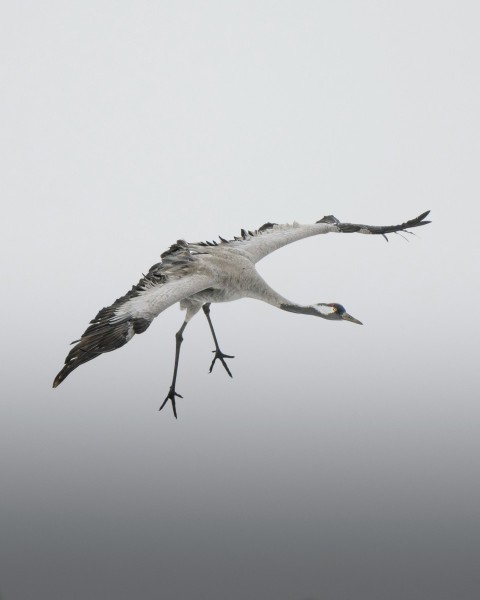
column 67, row 369
column 420, row 218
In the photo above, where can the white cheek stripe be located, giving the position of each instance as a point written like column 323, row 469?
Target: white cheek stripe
column 325, row 310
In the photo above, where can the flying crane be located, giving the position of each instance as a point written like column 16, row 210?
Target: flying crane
column 202, row 273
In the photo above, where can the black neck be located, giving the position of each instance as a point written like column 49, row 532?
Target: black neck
column 302, row 310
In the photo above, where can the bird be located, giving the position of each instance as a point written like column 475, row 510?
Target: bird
column 199, row 274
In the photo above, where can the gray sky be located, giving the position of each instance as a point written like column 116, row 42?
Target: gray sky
column 341, row 462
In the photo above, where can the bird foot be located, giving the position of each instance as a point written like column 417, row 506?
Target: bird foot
column 172, row 394
column 221, row 357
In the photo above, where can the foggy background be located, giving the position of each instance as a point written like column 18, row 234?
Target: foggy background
column 341, row 462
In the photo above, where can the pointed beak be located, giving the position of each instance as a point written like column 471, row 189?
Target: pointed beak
column 347, row 317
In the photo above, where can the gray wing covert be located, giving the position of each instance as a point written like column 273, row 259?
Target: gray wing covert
column 271, row 237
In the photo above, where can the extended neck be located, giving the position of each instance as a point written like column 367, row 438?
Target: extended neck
column 303, row 310
column 260, row 290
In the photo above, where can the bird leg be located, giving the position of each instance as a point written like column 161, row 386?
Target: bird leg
column 218, row 353
column 172, row 394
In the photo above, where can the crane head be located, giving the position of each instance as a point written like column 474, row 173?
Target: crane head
column 335, row 312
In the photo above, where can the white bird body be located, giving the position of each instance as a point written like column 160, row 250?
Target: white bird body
column 198, row 274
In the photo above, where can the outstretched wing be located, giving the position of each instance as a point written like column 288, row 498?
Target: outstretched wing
column 166, row 283
column 378, row 229
column 270, row 237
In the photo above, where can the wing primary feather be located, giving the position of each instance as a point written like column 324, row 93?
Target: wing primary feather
column 115, row 325
column 382, row 229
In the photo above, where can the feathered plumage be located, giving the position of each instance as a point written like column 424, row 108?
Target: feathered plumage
column 197, row 274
